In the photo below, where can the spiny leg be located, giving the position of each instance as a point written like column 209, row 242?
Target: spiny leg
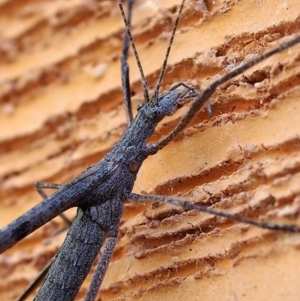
column 102, row 266
column 205, row 95
column 201, row 208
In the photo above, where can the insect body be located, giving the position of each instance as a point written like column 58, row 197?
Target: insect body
column 100, row 192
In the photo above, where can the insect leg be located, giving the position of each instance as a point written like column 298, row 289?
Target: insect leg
column 201, row 208
column 101, row 268
column 207, row 93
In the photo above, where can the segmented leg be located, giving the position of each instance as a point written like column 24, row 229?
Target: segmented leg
column 201, row 208
column 102, row 266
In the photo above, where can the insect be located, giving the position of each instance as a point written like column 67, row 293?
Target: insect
column 207, row 191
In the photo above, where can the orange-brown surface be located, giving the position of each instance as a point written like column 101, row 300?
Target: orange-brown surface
column 61, row 111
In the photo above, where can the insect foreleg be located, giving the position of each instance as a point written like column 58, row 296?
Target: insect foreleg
column 205, row 95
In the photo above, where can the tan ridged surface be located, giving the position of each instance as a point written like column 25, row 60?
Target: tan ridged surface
column 61, row 111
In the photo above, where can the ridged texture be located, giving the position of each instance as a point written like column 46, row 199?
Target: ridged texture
column 61, row 111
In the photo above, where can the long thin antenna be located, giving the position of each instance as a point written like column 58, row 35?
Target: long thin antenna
column 164, row 65
column 144, row 82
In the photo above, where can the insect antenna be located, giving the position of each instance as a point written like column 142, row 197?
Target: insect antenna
column 129, row 36
column 127, row 21
column 164, row 65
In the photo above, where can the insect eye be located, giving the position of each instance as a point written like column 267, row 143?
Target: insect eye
column 133, row 166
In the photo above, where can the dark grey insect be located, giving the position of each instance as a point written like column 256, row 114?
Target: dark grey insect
column 99, row 192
